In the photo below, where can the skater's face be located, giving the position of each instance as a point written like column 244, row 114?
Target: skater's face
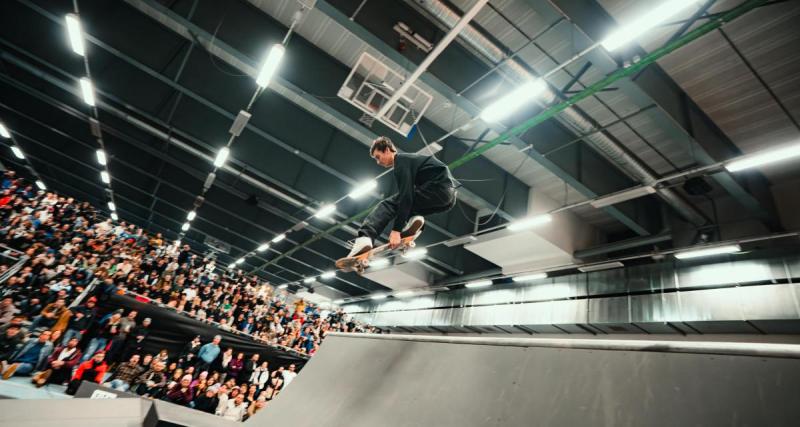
column 384, row 158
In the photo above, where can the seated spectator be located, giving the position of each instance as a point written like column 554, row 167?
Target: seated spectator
column 126, row 374
column 10, row 340
column 7, row 310
column 59, row 364
column 151, row 383
column 181, row 392
column 234, row 409
column 91, row 370
column 54, row 316
column 31, row 357
column 207, row 402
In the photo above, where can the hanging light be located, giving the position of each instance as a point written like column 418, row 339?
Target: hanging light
column 531, row 222
column 704, row 252
column 416, row 253
column 308, row 280
column 4, row 131
column 111, row 206
column 240, row 260
column 513, row 101
column 222, row 155
column 40, row 184
column 479, row 284
column 101, row 157
column 185, row 226
column 87, row 91
column 530, row 277
column 105, row 177
column 17, row 152
column 328, row 275
column 191, row 215
column 278, row 238
column 363, row 189
column 657, row 15
column 75, row 33
column 263, row 247
column 270, row 65
column 764, row 158
column 325, row 211
column 114, row 216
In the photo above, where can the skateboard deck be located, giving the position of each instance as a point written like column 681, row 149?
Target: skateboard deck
column 359, row 263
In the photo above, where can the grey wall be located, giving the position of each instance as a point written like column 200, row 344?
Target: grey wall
column 747, row 293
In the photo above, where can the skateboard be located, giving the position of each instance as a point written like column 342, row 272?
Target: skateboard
column 359, row 263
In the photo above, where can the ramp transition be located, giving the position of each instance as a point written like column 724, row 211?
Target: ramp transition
column 406, row 380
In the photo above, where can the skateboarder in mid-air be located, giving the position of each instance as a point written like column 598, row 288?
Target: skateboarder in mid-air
column 425, row 186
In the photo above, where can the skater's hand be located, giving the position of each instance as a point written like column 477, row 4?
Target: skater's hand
column 394, row 239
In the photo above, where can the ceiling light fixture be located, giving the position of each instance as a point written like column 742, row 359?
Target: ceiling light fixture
column 185, row 226
column 111, row 206
column 191, row 215
column 75, row 34
column 704, row 252
column 645, row 23
column 513, row 101
column 415, row 253
column 17, row 152
column 600, row 267
column 530, row 277
column 363, row 189
column 263, row 247
column 114, row 216
column 479, row 284
column 87, row 91
column 325, row 211
column 270, row 65
column 4, row 131
column 308, row 280
column 40, row 184
column 105, row 177
column 222, row 156
column 622, row 196
column 764, row 158
column 379, row 296
column 278, row 238
column 531, row 222
column 328, row 275
column 101, row 157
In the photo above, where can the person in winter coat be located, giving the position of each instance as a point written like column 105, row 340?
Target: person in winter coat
column 91, row 370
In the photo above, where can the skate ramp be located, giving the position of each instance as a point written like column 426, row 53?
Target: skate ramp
column 397, row 380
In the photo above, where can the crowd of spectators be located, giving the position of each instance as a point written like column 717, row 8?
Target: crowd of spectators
column 48, row 335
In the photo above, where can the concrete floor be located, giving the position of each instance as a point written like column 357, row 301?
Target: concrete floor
column 22, row 388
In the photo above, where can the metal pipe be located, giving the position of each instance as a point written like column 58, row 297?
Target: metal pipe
column 462, row 23
column 575, row 120
column 786, row 351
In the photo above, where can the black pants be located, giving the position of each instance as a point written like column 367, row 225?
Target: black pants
column 427, row 200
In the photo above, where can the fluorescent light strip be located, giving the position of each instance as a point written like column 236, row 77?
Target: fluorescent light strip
column 283, row 286
column 530, row 277
column 278, row 238
column 112, row 206
column 379, row 296
column 232, row 265
column 105, row 177
column 600, row 267
column 222, row 156
column 75, row 34
column 531, row 222
column 308, row 280
column 40, row 184
column 270, row 65
column 622, row 196
column 191, row 215
column 704, row 252
column 17, row 152
column 363, row 189
column 4, row 131
column 101, row 157
column 479, row 284
column 325, row 211
column 405, row 294
column 513, row 101
column 263, row 247
column 239, row 261
column 415, row 253
column 379, row 263
column 328, row 275
column 185, row 226
column 657, row 15
column 764, row 158
column 114, row 216
column 87, row 91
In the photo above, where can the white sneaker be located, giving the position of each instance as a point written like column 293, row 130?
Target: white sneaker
column 360, row 245
column 413, row 226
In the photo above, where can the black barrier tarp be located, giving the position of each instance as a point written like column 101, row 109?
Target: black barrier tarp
column 172, row 331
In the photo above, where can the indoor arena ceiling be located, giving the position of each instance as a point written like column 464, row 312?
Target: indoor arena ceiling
column 171, row 76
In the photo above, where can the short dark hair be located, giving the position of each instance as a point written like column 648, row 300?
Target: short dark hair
column 382, row 143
